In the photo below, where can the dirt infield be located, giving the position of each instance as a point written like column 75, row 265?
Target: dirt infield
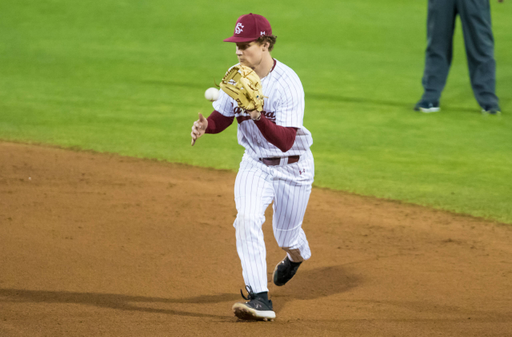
column 102, row 245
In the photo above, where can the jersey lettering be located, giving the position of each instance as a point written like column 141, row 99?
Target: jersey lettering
column 284, row 106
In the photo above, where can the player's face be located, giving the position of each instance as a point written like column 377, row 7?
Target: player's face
column 250, row 54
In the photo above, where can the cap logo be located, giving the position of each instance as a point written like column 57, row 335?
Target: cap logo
column 239, row 28
column 262, row 33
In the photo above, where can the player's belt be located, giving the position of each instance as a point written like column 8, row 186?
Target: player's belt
column 277, row 160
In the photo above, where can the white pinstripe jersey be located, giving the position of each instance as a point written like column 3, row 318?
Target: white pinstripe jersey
column 284, row 106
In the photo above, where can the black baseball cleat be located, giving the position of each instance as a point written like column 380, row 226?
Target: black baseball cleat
column 258, row 307
column 284, row 271
column 427, row 107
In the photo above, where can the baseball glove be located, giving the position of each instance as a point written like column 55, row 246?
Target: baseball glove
column 244, row 86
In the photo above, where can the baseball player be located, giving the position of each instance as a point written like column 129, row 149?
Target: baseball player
column 277, row 166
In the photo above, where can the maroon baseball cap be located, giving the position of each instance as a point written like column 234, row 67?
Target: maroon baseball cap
column 250, row 27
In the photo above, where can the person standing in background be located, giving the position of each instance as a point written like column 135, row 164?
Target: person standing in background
column 475, row 16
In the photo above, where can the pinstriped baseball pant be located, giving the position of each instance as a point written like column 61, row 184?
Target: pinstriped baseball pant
column 288, row 186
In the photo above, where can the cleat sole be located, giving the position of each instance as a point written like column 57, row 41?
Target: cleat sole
column 243, row 312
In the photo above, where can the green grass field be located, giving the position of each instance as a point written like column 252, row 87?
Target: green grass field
column 128, row 77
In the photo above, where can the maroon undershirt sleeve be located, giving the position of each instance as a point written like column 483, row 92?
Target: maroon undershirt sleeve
column 217, row 122
column 280, row 136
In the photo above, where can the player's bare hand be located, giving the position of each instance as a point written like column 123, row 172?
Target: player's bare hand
column 198, row 128
column 255, row 114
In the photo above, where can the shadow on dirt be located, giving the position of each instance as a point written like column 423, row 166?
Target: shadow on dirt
column 113, row 301
column 308, row 284
column 312, row 284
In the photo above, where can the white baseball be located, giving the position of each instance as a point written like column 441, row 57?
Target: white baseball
column 211, row 94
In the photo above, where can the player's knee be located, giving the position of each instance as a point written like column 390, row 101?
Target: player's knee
column 245, row 220
column 241, row 220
